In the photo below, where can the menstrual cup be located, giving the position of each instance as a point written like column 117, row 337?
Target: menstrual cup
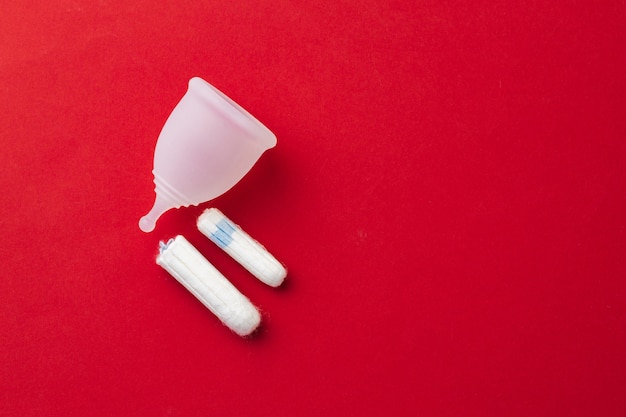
column 206, row 146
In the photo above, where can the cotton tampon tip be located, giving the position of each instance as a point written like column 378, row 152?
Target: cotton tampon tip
column 241, row 247
column 207, row 284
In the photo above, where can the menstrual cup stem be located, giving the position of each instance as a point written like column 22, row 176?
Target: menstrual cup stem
column 147, row 222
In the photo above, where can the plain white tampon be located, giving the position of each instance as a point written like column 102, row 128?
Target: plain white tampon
column 241, row 247
column 207, row 284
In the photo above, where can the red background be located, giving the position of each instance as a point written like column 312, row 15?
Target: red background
column 448, row 193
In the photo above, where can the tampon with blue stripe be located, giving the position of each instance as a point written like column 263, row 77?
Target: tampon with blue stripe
column 241, row 247
column 207, row 284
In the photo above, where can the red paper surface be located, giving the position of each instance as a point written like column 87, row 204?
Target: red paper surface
column 447, row 193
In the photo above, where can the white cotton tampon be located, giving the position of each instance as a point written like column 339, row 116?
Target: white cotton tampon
column 241, row 247
column 207, row 284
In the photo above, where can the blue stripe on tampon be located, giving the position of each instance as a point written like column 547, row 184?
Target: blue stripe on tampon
column 163, row 246
column 224, row 233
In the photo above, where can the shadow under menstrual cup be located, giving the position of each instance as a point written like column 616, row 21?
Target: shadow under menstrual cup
column 206, row 146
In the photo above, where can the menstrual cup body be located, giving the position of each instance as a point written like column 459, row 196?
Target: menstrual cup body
column 206, row 146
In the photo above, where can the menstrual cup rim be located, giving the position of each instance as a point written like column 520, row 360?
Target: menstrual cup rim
column 242, row 117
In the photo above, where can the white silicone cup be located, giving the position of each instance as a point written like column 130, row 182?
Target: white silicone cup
column 206, row 146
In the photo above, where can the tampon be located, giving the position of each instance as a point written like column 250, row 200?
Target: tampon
column 207, row 284
column 241, row 247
